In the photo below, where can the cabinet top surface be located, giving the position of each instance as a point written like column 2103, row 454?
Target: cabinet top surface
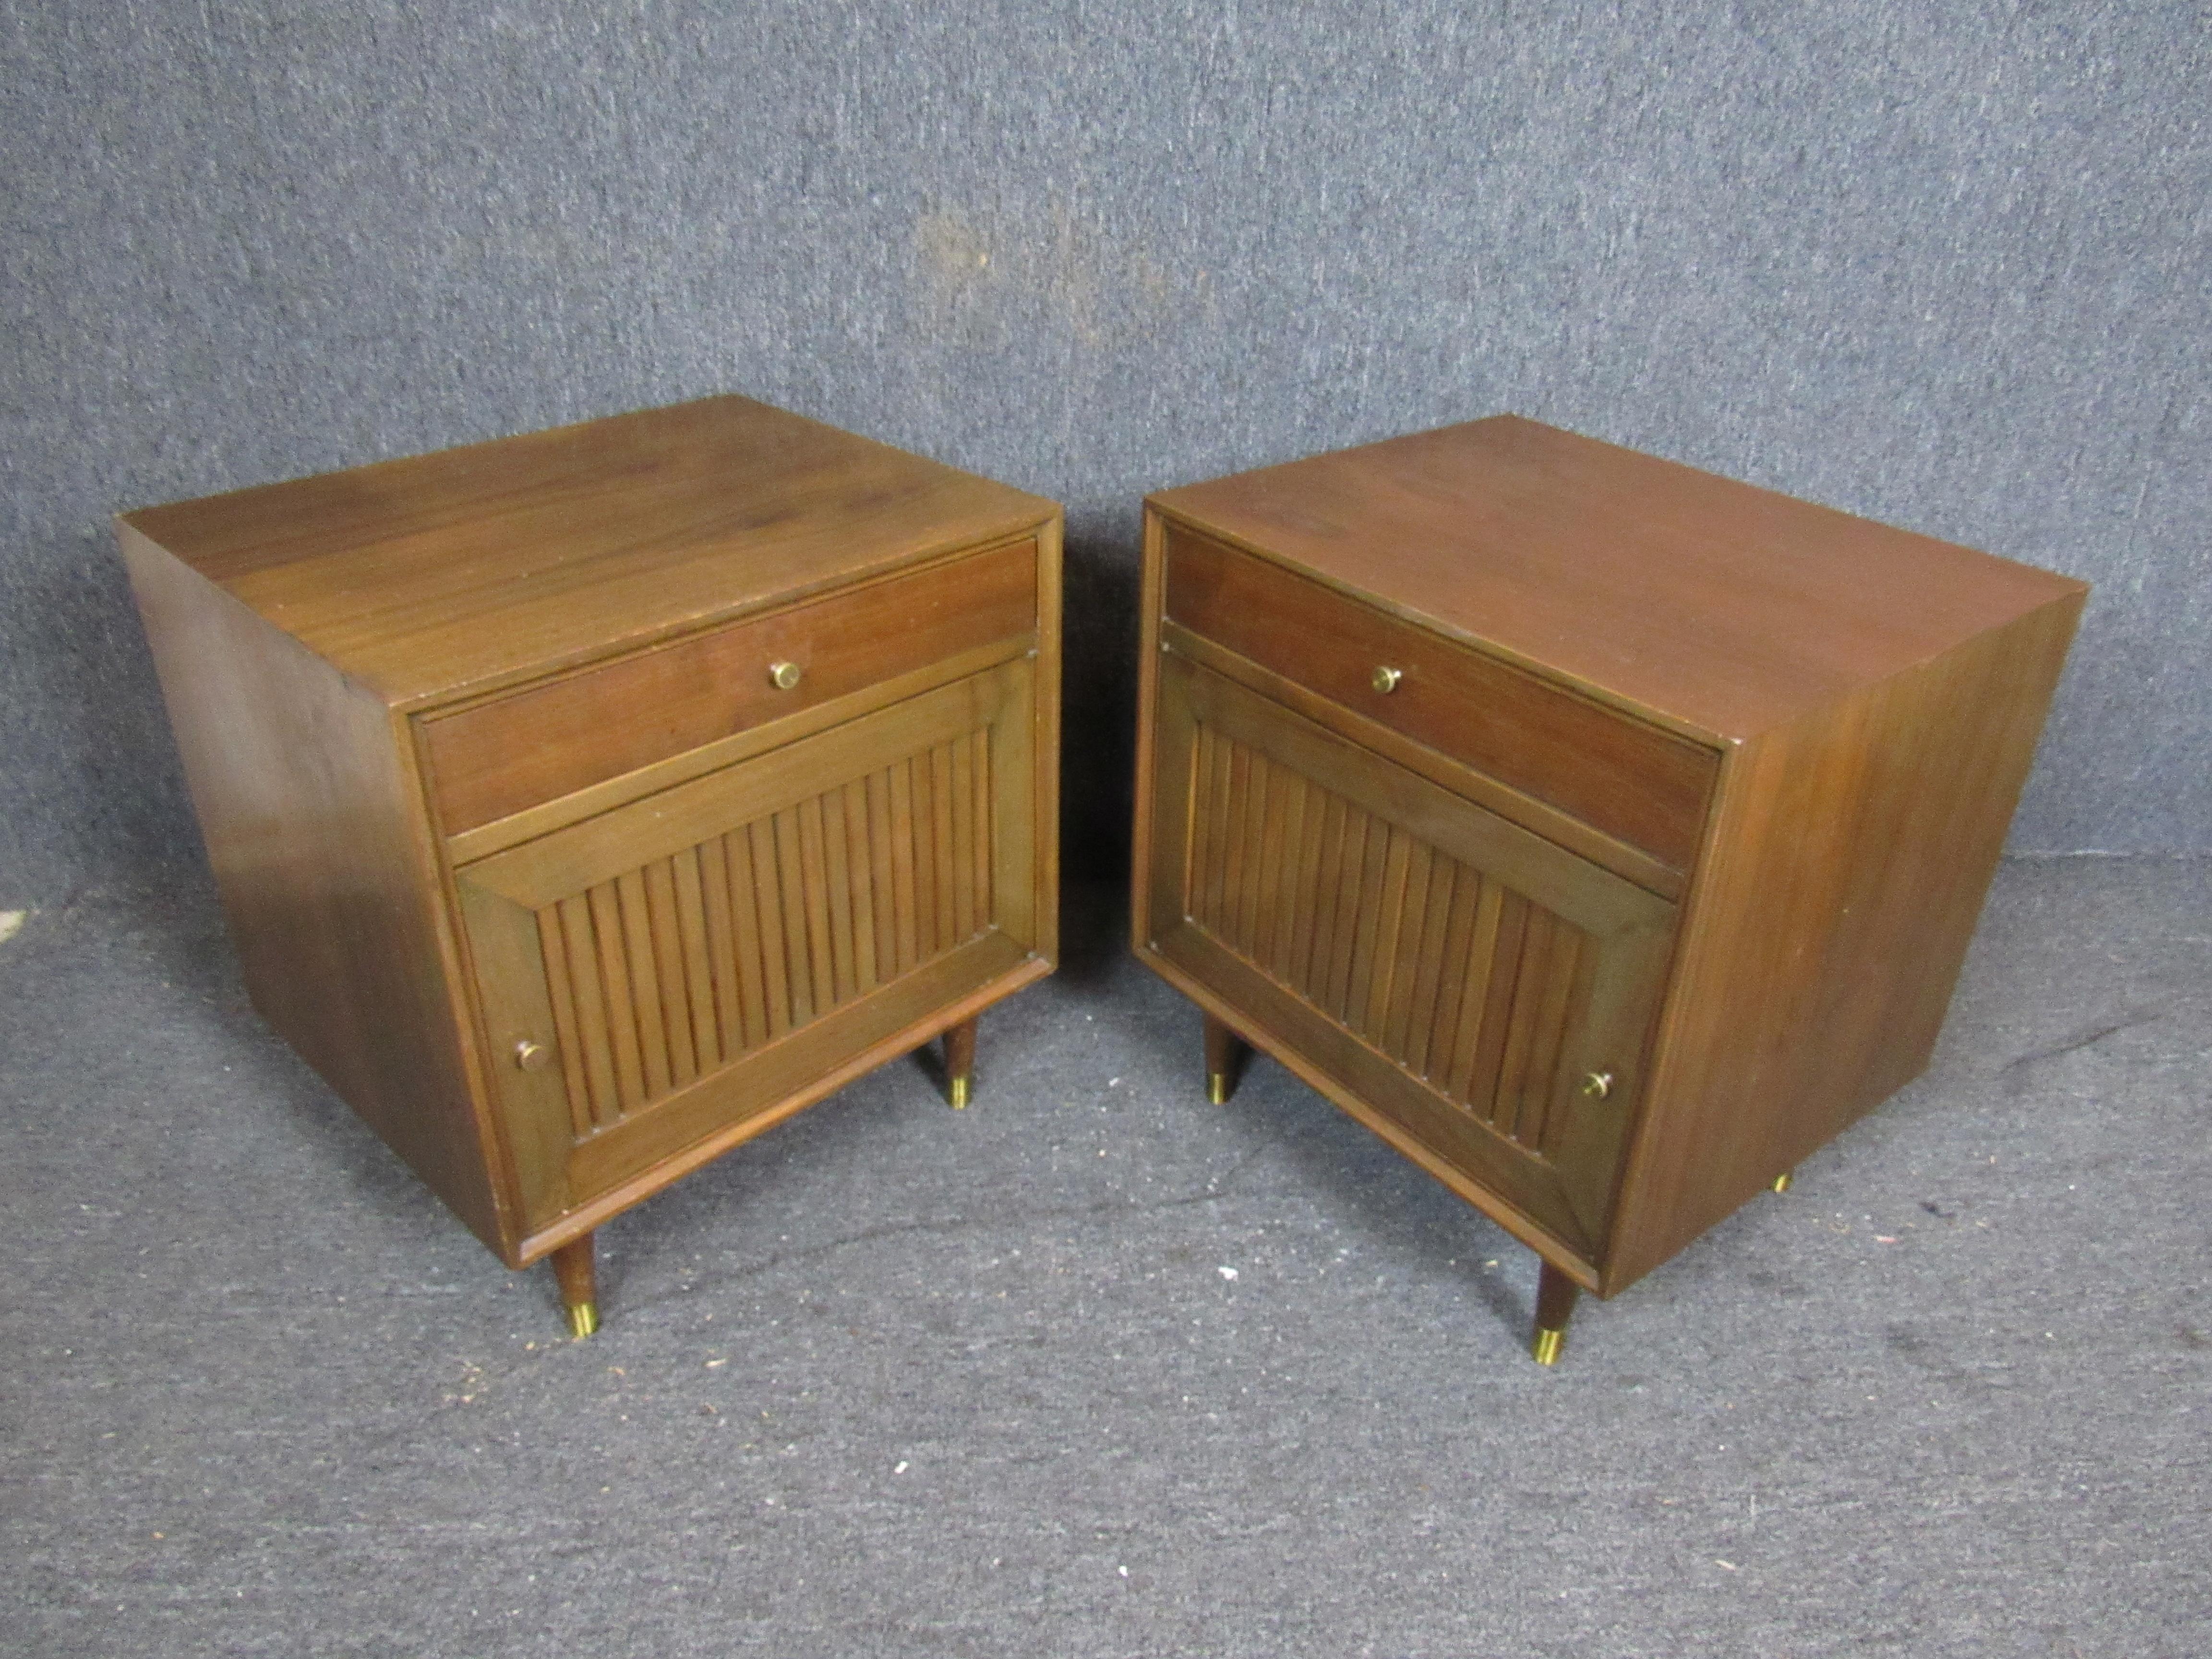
column 433, row 575
column 1723, row 608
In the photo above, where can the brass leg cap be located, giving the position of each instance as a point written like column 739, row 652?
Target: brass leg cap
column 1547, row 1346
column 1783, row 1181
column 583, row 1319
column 955, row 1090
column 1217, row 1088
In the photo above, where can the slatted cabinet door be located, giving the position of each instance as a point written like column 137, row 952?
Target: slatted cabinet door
column 1462, row 977
column 655, row 974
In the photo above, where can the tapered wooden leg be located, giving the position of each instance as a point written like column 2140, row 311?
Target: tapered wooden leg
column 1556, row 1294
column 1224, row 1059
column 959, row 1062
column 576, row 1267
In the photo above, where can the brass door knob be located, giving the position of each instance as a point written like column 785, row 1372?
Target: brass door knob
column 783, row 675
column 1598, row 1084
column 1385, row 679
column 532, row 1056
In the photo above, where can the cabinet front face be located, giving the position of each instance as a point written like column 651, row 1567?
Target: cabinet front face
column 653, row 974
column 1483, row 992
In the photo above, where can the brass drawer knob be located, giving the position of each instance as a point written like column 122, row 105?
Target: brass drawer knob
column 783, row 675
column 1385, row 679
column 1598, row 1084
column 532, row 1056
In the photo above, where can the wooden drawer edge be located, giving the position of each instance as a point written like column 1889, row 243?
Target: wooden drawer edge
column 516, row 827
column 1514, row 1220
column 1555, row 825
column 1659, row 719
column 489, row 688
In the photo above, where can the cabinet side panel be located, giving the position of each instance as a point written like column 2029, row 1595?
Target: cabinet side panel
column 1141, row 848
column 294, row 773
column 1045, row 749
column 1849, row 859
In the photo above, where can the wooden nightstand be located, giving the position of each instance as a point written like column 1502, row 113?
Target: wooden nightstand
column 1604, row 835
column 585, row 803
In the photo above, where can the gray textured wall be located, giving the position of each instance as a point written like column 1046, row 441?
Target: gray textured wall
column 1943, row 266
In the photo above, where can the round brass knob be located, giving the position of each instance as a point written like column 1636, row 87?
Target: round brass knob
column 1385, row 679
column 783, row 675
column 1598, row 1084
column 532, row 1056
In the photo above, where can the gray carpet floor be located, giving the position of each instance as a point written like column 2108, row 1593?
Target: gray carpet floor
column 1095, row 1368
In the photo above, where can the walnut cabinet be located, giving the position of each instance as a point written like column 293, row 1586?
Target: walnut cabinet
column 1604, row 835
column 583, row 804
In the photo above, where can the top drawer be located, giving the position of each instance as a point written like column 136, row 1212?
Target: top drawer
column 537, row 744
column 1631, row 781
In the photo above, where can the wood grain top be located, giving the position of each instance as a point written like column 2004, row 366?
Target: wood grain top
column 436, row 575
column 1724, row 609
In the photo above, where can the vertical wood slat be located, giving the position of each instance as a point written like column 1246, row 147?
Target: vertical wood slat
column 663, row 973
column 1252, row 834
column 837, row 883
column 1452, row 969
column 668, row 966
column 1579, row 991
column 560, row 979
column 1529, row 974
column 1222, row 812
column 1459, row 980
column 722, row 947
column 984, row 854
column 582, row 953
column 1485, row 1056
column 879, row 867
column 859, row 862
column 1313, row 972
column 1302, row 851
column 698, row 966
column 1476, row 990
column 1390, row 918
column 814, row 888
column 961, row 764
column 621, row 1002
column 907, row 903
column 738, row 847
column 786, row 926
column 775, row 932
column 644, row 981
column 1278, row 926
column 1268, row 879
column 1540, row 1081
column 1404, row 961
column 1363, row 838
column 927, row 943
column 1234, row 846
column 942, row 793
column 1342, row 900
column 1428, row 945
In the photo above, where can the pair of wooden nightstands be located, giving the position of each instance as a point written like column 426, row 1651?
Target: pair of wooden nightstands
column 1603, row 835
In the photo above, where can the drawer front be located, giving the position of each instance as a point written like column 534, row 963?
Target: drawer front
column 1633, row 781
column 538, row 744
column 1459, row 976
column 689, row 961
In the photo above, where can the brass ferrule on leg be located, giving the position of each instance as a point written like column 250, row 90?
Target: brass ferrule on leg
column 583, row 1319
column 1217, row 1088
column 955, row 1090
column 1783, row 1181
column 1547, row 1346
